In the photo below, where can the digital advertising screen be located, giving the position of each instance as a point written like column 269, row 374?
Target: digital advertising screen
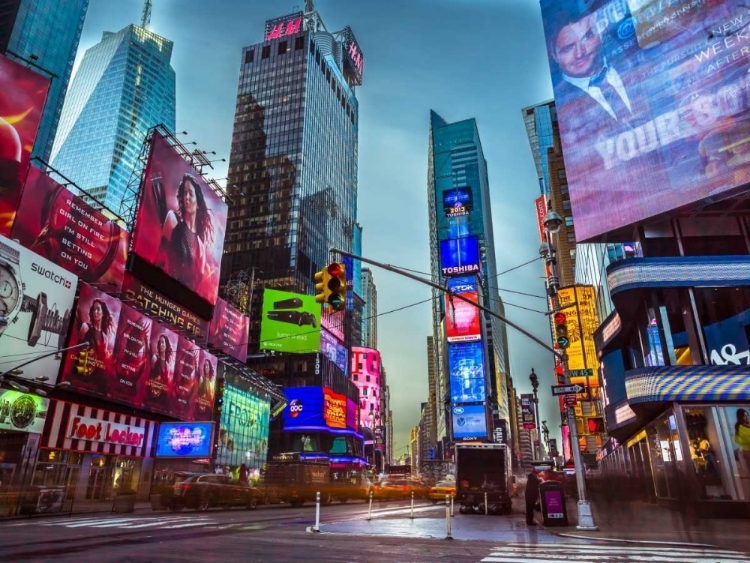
column 366, row 361
column 333, row 322
column 184, row 439
column 62, row 227
column 352, row 414
column 305, row 408
column 243, row 429
column 334, row 409
column 22, row 412
column 229, row 330
column 36, row 302
column 334, row 350
column 290, row 322
column 655, row 116
column 460, row 256
column 466, row 369
column 528, row 418
column 23, row 93
column 469, row 421
column 457, row 201
column 463, row 321
column 181, row 222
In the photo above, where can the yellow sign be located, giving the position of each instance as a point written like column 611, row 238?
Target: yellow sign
column 582, row 321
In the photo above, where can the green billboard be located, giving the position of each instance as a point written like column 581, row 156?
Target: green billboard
column 290, row 322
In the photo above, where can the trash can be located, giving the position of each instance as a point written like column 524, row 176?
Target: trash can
column 554, row 511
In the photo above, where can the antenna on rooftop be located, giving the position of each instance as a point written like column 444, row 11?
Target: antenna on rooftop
column 146, row 15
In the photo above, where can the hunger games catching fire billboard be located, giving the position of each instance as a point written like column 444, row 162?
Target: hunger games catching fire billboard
column 23, row 94
column 229, row 330
column 652, row 99
column 181, row 222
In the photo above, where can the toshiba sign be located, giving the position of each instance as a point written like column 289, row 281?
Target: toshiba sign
column 93, row 430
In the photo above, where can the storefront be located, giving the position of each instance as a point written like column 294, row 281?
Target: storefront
column 22, row 418
column 94, row 453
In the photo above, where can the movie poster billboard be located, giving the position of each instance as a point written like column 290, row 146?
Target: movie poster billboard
column 290, row 322
column 62, row 227
column 243, row 428
column 159, row 383
column 469, row 422
column 460, row 256
column 466, row 371
column 229, row 330
column 181, row 222
column 23, row 93
column 463, row 321
column 184, row 440
column 652, row 99
column 528, row 417
column 36, row 299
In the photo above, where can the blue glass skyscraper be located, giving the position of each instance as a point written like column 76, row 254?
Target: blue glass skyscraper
column 46, row 32
column 125, row 86
column 541, row 121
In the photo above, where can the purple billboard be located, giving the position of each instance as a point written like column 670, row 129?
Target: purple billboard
column 652, row 99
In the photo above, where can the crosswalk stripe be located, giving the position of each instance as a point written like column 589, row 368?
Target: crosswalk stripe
column 592, row 553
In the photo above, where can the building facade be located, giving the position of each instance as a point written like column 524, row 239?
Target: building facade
column 370, row 310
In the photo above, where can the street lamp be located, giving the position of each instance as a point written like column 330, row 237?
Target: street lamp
column 535, row 386
column 545, row 432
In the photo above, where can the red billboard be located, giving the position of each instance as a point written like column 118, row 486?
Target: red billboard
column 181, row 222
column 463, row 321
column 23, row 94
column 62, row 227
column 229, row 330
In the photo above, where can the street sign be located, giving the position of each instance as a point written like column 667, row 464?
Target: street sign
column 558, row 390
column 571, row 400
column 581, row 372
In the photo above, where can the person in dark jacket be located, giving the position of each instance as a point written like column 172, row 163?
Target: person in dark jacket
column 532, row 496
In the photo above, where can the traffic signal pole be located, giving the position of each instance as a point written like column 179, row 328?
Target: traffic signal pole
column 10, row 371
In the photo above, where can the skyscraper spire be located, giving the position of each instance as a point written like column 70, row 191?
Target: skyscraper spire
column 146, row 15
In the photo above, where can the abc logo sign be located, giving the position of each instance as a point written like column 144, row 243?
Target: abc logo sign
column 295, row 407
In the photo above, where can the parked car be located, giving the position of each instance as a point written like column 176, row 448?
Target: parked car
column 203, row 492
column 438, row 492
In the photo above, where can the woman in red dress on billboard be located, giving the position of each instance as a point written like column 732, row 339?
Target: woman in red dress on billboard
column 187, row 235
column 98, row 333
column 186, row 369
column 160, row 374
column 205, row 397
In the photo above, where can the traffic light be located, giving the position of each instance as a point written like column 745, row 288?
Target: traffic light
column 330, row 286
column 80, row 364
column 561, row 330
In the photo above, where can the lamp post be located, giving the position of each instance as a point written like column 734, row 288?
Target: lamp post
column 535, row 386
column 552, row 223
column 545, row 433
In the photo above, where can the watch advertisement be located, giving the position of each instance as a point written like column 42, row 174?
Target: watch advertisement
column 22, row 412
column 62, row 227
column 23, row 94
column 36, row 299
column 179, row 439
column 181, row 222
column 290, row 322
column 229, row 330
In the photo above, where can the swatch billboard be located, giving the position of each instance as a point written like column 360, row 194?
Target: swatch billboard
column 181, row 222
column 62, row 227
column 229, row 330
column 460, row 256
column 136, row 361
column 463, row 322
column 186, row 440
column 466, row 371
column 652, row 99
column 36, row 299
column 290, row 322
column 23, row 93
column 469, row 422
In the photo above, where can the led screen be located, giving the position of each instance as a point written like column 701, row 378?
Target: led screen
column 527, row 412
column 23, row 93
column 22, row 412
column 290, row 322
column 652, row 100
column 463, row 322
column 36, row 299
column 62, row 227
column 243, row 431
column 466, row 367
column 460, row 256
column 469, row 421
column 334, row 350
column 181, row 439
column 305, row 408
column 229, row 330
column 457, row 202
column 181, row 222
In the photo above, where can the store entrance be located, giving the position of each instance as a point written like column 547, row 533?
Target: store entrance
column 100, row 479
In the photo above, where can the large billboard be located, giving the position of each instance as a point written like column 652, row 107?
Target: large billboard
column 36, row 298
column 243, row 428
column 317, row 408
column 469, row 422
column 138, row 362
column 581, row 321
column 466, row 371
column 229, row 330
column 334, row 350
column 457, row 202
column 186, row 440
column 652, row 99
column 22, row 412
column 23, row 94
column 62, row 227
column 528, row 418
column 290, row 322
column 463, row 321
column 181, row 222
column 460, row 256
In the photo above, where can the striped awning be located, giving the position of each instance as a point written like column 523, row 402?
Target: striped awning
column 688, row 383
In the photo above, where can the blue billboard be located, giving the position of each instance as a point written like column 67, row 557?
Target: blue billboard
column 305, row 408
column 457, row 201
column 460, row 256
column 184, row 439
column 466, row 369
column 469, row 421
column 334, row 350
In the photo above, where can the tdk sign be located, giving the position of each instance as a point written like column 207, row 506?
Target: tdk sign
column 460, row 257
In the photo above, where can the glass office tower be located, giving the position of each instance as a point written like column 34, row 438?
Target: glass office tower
column 125, row 86
column 46, row 32
column 541, row 123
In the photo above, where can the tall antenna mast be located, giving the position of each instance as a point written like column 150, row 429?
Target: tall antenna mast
column 146, row 15
column 313, row 21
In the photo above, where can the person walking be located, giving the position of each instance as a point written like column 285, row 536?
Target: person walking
column 532, row 495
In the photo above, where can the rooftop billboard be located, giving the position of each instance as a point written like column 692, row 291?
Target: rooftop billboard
column 290, row 322
column 652, row 99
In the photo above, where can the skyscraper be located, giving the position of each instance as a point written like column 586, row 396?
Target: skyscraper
column 541, row 127
column 124, row 86
column 370, row 310
column 46, row 32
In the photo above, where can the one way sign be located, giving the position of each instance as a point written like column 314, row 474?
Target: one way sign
column 558, row 390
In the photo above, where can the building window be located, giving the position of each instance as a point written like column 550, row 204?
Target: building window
column 571, row 236
column 299, row 43
column 266, row 52
column 249, row 56
column 573, row 254
column 282, row 47
column 568, row 220
column 562, row 175
column 356, row 377
column 368, row 379
column 564, row 188
column 364, row 391
column 566, row 205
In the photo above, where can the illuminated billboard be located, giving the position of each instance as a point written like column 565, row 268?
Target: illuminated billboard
column 36, row 299
column 317, row 408
column 581, row 321
column 334, row 350
column 291, row 24
column 460, row 256
column 652, row 101
column 243, row 429
column 181, row 439
column 463, row 321
column 466, row 372
column 457, row 201
column 22, row 412
column 23, row 93
column 528, row 418
column 290, row 322
column 469, row 422
column 334, row 409
column 229, row 330
column 366, row 361
column 62, row 227
column 181, row 222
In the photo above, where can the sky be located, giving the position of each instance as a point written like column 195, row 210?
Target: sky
column 462, row 58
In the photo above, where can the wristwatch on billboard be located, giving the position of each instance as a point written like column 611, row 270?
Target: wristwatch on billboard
column 11, row 286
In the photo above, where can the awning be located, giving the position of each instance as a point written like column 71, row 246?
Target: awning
column 688, row 383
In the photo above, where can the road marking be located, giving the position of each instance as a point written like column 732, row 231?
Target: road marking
column 132, row 523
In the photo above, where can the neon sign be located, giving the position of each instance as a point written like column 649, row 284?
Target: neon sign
column 356, row 56
column 191, row 439
column 285, row 28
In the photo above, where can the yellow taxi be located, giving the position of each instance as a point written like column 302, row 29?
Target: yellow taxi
column 437, row 493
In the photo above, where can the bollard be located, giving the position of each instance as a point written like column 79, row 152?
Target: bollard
column 452, row 497
column 448, row 535
column 412, row 505
column 486, row 508
column 369, row 512
column 317, row 512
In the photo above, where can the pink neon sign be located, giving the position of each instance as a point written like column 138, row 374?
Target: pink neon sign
column 283, row 29
column 356, row 56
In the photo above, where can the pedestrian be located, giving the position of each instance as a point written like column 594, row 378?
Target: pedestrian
column 532, row 495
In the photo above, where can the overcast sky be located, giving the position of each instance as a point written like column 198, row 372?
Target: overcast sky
column 462, row 58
